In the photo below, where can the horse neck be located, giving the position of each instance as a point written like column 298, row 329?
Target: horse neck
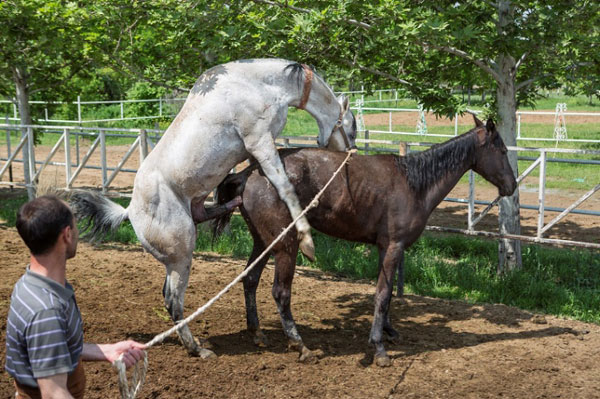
column 322, row 104
column 448, row 162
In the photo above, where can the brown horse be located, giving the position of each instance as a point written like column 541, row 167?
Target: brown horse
column 384, row 200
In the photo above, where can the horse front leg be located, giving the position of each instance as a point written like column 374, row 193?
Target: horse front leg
column 174, row 293
column 285, row 265
column 250, row 285
column 262, row 148
column 388, row 260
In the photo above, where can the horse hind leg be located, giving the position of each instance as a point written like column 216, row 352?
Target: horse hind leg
column 282, row 293
column 250, row 285
column 174, row 292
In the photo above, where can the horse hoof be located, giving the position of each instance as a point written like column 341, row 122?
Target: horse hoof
column 207, row 354
column 383, row 360
column 307, row 356
column 308, row 247
column 260, row 339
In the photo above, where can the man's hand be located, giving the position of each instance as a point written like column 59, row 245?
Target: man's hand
column 132, row 352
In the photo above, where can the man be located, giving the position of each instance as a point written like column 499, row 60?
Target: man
column 44, row 335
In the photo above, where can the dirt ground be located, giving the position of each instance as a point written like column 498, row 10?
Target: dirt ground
column 410, row 118
column 448, row 349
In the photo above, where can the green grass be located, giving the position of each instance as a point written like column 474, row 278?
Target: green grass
column 562, row 282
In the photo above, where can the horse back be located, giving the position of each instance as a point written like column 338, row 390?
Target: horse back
column 355, row 207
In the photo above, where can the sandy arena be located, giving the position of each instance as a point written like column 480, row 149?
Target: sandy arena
column 449, row 349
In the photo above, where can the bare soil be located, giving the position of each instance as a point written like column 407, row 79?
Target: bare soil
column 449, row 349
column 410, row 118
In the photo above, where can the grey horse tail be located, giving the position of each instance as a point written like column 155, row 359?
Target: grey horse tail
column 232, row 186
column 98, row 214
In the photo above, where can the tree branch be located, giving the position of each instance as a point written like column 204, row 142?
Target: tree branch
column 62, row 81
column 527, row 82
column 520, row 61
column 351, row 21
column 460, row 53
column 122, row 66
column 376, row 72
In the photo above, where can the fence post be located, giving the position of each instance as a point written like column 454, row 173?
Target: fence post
column 143, row 145
column 471, row 200
column 160, row 106
column 67, row 155
column 286, row 143
column 103, row 159
column 456, row 124
column 30, row 146
column 79, row 123
column 122, row 113
column 9, row 152
column 403, row 149
column 541, row 194
column 366, row 142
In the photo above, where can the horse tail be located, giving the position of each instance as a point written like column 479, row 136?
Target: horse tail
column 232, row 186
column 99, row 214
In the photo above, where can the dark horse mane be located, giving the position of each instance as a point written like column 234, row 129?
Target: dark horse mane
column 425, row 168
column 297, row 71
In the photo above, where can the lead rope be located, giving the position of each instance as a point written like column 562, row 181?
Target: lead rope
column 139, row 372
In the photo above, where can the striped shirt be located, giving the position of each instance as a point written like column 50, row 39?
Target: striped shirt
column 44, row 331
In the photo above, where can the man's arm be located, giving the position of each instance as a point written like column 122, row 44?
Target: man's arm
column 132, row 352
column 54, row 387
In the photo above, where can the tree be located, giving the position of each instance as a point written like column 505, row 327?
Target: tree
column 40, row 53
column 521, row 46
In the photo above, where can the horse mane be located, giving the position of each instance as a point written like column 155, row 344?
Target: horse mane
column 297, row 71
column 425, row 168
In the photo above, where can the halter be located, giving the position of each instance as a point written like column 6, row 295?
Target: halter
column 339, row 125
column 308, row 77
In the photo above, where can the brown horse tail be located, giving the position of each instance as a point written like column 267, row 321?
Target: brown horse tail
column 232, row 186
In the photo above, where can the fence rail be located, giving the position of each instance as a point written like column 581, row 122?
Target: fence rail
column 145, row 139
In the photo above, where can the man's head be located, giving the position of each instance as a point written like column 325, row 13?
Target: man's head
column 42, row 221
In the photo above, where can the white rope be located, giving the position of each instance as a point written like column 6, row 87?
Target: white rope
column 139, row 372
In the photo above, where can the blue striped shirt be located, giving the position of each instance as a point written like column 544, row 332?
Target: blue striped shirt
column 44, row 331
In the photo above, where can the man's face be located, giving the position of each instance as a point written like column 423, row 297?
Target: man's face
column 74, row 235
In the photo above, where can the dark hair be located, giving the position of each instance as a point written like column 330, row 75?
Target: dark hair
column 40, row 222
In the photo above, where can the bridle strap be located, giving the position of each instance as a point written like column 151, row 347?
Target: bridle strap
column 308, row 77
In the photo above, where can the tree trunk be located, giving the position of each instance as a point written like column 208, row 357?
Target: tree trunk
column 509, row 251
column 22, row 92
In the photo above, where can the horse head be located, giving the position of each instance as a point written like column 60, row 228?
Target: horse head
column 343, row 135
column 491, row 160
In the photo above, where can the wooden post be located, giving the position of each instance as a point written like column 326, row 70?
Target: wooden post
column 471, row 213
column 366, row 142
column 143, row 145
column 403, row 149
column 67, row 156
column 103, row 159
column 541, row 194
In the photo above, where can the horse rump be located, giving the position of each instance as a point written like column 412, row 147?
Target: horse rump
column 98, row 214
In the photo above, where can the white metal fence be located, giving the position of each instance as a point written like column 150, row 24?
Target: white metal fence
column 73, row 162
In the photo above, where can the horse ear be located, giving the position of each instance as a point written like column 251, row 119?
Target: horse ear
column 490, row 126
column 345, row 102
column 478, row 123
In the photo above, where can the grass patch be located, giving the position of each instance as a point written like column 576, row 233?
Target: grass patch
column 562, row 282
